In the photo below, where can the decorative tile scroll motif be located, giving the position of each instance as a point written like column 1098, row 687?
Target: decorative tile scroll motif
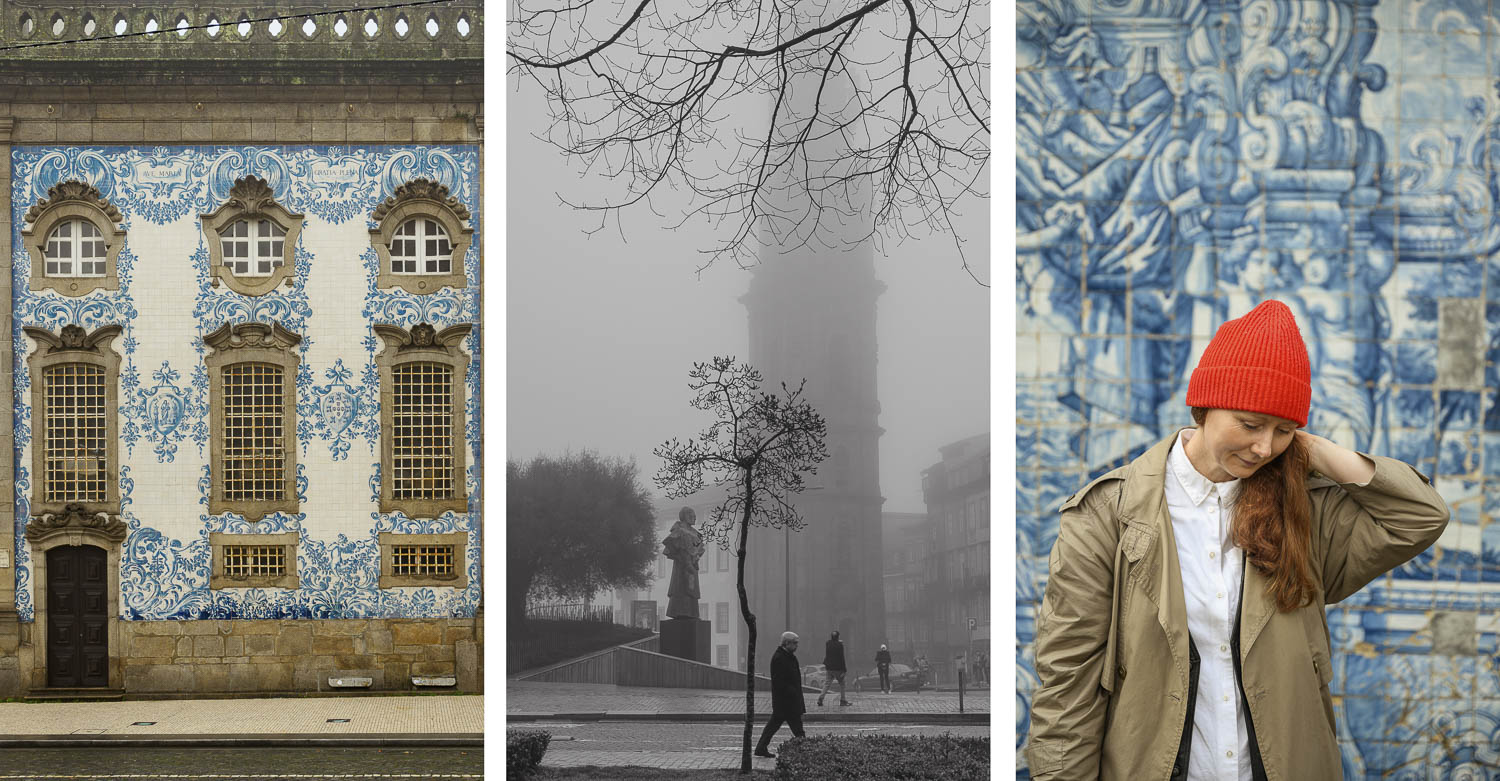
column 164, row 572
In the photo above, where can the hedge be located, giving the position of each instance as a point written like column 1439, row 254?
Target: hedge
column 523, row 752
column 884, row 758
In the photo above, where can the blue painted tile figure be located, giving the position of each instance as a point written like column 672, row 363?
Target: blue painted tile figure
column 1180, row 162
column 1218, row 546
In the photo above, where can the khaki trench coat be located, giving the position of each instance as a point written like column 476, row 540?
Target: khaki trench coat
column 1112, row 632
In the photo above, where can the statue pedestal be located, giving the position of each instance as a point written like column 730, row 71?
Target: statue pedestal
column 687, row 638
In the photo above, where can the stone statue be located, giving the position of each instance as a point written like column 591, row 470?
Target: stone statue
column 684, row 546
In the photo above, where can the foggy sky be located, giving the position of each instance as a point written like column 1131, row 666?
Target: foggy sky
column 602, row 330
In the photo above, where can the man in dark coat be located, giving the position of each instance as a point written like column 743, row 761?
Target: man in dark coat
column 883, row 663
column 786, row 694
column 834, row 666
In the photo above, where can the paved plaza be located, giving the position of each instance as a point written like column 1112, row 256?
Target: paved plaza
column 529, row 701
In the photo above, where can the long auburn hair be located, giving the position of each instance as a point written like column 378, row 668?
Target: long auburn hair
column 1273, row 523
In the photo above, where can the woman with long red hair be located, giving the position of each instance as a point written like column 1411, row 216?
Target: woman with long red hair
column 1182, row 634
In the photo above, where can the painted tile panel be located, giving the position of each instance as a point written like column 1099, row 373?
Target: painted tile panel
column 1179, row 161
column 166, row 302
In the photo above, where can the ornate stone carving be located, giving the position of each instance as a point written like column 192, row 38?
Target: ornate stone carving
column 74, row 338
column 423, row 189
column 251, row 195
column 242, row 335
column 73, row 190
column 423, row 337
column 76, row 518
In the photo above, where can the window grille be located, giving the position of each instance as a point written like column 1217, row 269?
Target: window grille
column 254, row 451
column 421, row 246
column 427, row 560
column 75, row 240
column 247, row 560
column 422, row 435
column 253, row 250
column 75, row 422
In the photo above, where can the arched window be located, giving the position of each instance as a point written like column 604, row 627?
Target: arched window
column 252, row 372
column 423, row 447
column 73, row 392
column 421, row 238
column 251, row 239
column 74, row 239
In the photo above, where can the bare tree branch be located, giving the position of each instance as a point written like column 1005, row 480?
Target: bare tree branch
column 784, row 126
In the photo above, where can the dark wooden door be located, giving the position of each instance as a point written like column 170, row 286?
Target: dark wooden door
column 77, row 617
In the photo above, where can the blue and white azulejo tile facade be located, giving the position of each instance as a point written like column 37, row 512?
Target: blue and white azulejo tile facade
column 1178, row 161
column 166, row 303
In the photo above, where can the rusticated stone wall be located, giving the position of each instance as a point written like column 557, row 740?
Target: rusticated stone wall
column 208, row 657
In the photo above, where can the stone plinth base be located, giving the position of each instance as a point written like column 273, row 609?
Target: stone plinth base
column 687, row 638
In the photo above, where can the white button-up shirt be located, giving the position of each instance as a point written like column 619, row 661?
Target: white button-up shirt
column 1211, row 570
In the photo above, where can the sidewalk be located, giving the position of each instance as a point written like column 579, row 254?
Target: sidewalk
column 533, row 701
column 443, row 720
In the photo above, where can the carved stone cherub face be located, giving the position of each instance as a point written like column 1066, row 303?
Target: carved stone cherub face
column 687, row 516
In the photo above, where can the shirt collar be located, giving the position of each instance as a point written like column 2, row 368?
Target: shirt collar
column 1197, row 487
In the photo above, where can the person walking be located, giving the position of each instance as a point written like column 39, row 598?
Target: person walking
column 787, row 705
column 1182, row 634
column 883, row 664
column 834, row 667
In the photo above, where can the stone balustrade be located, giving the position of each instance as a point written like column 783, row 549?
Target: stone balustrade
column 442, row 31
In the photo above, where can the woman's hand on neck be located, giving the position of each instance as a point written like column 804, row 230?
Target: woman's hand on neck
column 1335, row 461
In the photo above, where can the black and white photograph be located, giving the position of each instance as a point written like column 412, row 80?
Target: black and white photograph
column 747, row 395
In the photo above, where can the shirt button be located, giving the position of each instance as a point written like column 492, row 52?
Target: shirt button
column 1229, row 754
column 1226, row 698
column 1221, row 595
column 1211, row 554
column 1224, row 648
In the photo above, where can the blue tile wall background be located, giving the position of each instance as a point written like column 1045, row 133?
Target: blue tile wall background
column 1178, row 161
column 166, row 303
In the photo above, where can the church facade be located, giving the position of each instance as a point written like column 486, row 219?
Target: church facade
column 242, row 275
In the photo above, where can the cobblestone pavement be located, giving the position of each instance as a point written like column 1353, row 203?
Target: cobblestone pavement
column 176, row 764
column 692, row 746
column 547, row 698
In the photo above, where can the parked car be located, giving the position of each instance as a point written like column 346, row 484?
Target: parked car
column 904, row 677
column 812, row 675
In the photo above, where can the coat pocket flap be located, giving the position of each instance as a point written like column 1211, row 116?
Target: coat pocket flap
column 1136, row 540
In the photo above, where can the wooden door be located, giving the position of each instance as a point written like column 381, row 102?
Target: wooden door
column 77, row 617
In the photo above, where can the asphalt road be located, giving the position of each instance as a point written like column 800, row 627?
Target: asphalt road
column 223, row 764
column 713, row 736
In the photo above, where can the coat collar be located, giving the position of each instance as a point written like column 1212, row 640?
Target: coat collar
column 1152, row 550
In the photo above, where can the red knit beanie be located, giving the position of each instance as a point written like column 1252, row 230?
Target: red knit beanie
column 1255, row 363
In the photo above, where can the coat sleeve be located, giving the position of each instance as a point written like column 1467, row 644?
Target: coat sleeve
column 1371, row 529
column 1068, row 708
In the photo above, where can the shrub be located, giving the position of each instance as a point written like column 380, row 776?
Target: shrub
column 882, row 757
column 523, row 752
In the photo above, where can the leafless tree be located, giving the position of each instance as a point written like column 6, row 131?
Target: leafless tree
column 758, row 449
column 871, row 119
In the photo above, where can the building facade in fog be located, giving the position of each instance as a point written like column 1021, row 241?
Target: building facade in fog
column 908, row 621
column 957, row 567
column 812, row 316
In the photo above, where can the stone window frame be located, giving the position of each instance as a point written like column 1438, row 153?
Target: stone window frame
column 459, row 541
column 217, row 578
column 422, row 344
column 238, row 343
column 74, row 345
column 416, row 199
column 250, row 199
column 73, row 200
